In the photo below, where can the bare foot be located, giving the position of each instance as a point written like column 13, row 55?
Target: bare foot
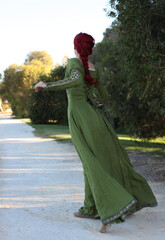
column 104, row 228
column 78, row 214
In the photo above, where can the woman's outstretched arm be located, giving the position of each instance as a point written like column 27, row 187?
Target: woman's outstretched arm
column 73, row 81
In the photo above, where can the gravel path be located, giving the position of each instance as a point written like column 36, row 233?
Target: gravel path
column 41, row 185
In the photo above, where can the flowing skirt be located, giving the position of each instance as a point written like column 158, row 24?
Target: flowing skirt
column 113, row 189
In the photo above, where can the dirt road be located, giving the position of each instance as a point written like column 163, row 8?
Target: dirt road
column 41, row 185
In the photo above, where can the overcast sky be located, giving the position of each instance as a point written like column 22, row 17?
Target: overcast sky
column 50, row 25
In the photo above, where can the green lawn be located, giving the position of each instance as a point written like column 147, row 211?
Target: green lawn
column 58, row 132
column 155, row 146
column 61, row 133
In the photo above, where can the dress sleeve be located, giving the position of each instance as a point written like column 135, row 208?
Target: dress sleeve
column 74, row 79
column 102, row 91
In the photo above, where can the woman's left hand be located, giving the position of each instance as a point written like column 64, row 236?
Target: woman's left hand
column 39, row 86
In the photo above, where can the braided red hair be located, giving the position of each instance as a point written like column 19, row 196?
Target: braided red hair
column 84, row 43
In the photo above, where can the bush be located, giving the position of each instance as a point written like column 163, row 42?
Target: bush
column 46, row 105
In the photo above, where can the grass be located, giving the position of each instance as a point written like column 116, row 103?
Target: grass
column 58, row 132
column 155, row 147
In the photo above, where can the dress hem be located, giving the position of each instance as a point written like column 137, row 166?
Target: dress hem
column 108, row 220
column 96, row 216
column 138, row 209
column 111, row 219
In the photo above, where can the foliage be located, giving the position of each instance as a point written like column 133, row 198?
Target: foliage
column 17, row 82
column 17, row 88
column 11, row 88
column 134, row 64
column 41, row 56
column 46, row 105
column 105, row 55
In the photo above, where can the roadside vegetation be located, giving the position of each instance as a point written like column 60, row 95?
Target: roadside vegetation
column 61, row 133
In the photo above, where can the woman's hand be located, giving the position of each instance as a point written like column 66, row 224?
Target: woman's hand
column 39, row 86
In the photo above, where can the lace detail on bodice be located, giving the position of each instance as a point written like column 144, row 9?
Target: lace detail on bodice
column 74, row 77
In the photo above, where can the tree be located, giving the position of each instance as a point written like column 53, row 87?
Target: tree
column 17, row 82
column 41, row 56
column 105, row 56
column 139, row 58
column 65, row 61
column 11, row 88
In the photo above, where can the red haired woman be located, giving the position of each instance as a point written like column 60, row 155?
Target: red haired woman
column 113, row 189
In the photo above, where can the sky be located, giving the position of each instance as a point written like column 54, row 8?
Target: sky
column 47, row 25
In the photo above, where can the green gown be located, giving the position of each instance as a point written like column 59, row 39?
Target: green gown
column 113, row 189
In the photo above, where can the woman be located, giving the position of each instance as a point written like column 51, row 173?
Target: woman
column 113, row 189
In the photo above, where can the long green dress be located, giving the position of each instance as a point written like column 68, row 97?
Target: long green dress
column 112, row 188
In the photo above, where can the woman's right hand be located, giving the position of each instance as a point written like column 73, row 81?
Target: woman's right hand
column 39, row 86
